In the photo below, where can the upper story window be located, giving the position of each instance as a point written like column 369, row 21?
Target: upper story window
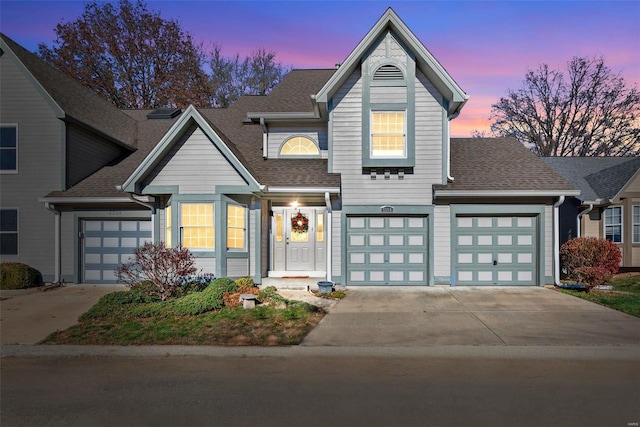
column 299, row 146
column 8, row 148
column 388, row 134
column 8, row 232
column 197, row 226
column 613, row 224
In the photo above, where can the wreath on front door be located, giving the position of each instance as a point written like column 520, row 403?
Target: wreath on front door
column 299, row 223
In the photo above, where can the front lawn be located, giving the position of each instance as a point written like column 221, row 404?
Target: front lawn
column 624, row 297
column 126, row 318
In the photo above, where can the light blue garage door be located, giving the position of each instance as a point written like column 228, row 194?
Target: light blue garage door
column 496, row 250
column 106, row 244
column 387, row 250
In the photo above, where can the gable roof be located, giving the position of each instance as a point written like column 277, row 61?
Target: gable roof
column 510, row 170
column 425, row 61
column 72, row 101
column 600, row 179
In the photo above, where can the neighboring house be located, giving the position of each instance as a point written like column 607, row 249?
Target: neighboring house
column 608, row 205
column 346, row 173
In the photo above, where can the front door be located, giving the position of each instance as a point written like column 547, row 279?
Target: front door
column 298, row 239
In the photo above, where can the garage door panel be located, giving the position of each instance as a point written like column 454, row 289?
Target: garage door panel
column 496, row 250
column 107, row 244
column 386, row 250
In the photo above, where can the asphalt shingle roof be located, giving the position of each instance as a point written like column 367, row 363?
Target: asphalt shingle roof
column 77, row 102
column 499, row 164
column 596, row 177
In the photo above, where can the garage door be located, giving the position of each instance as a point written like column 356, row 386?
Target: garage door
column 496, row 250
column 386, row 250
column 107, row 244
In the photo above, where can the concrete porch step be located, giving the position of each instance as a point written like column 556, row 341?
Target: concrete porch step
column 294, row 283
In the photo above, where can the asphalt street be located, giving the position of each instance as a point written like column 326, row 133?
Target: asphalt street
column 282, row 387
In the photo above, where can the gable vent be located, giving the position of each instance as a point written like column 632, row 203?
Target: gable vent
column 164, row 113
column 388, row 72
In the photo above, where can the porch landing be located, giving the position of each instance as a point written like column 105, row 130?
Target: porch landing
column 298, row 283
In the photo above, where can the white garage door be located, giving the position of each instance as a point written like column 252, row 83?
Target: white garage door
column 496, row 250
column 106, row 244
column 387, row 250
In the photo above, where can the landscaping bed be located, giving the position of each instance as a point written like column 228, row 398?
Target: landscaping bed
column 207, row 317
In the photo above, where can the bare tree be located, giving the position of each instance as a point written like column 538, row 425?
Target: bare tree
column 232, row 77
column 131, row 56
column 588, row 112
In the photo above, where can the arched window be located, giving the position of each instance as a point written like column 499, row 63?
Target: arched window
column 299, row 146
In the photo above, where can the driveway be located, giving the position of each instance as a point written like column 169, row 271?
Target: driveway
column 27, row 317
column 406, row 317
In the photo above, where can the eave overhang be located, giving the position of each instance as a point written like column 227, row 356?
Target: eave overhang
column 505, row 193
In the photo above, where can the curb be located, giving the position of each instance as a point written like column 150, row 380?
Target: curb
column 608, row 352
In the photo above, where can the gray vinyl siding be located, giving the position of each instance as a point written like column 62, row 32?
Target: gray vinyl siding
column 195, row 165
column 237, row 267
column 86, row 153
column 40, row 160
column 251, row 241
column 280, row 133
column 548, row 242
column 68, row 246
column 336, row 244
column 360, row 189
column 442, row 241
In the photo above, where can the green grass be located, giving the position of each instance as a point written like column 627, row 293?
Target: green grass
column 625, row 296
column 123, row 318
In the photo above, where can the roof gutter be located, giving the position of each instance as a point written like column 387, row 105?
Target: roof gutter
column 506, row 193
column 327, row 201
column 449, row 118
column 306, row 190
column 265, row 138
column 80, row 200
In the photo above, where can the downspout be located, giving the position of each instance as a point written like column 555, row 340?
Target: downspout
column 449, row 118
column 556, row 240
column 265, row 136
column 327, row 201
column 580, row 215
column 150, row 206
column 57, row 250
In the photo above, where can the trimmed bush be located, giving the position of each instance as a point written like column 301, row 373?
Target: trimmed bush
column 16, row 275
column 245, row 282
column 590, row 261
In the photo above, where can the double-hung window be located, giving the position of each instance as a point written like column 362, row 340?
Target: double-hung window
column 197, row 229
column 388, row 134
column 613, row 224
column 8, row 232
column 8, row 148
column 236, row 227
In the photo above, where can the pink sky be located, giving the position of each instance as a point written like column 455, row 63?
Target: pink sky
column 485, row 46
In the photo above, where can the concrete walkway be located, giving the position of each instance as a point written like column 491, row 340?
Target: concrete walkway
column 29, row 316
column 406, row 317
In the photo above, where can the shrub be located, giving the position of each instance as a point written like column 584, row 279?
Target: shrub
column 163, row 267
column 114, row 301
column 590, row 260
column 245, row 282
column 16, row 275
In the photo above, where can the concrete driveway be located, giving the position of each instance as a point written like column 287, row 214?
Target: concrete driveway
column 29, row 316
column 406, row 317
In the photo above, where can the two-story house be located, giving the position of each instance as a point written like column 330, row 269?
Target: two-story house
column 347, row 173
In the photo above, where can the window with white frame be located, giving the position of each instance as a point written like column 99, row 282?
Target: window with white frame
column 197, row 229
column 636, row 224
column 613, row 224
column 168, row 226
column 236, row 227
column 299, row 146
column 8, row 231
column 388, row 135
column 8, row 148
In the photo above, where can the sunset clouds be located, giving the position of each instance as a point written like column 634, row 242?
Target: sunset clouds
column 485, row 46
